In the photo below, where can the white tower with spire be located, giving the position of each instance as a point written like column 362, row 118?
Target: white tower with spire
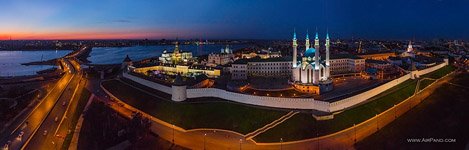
column 295, row 53
column 316, row 60
column 327, row 74
column 307, row 45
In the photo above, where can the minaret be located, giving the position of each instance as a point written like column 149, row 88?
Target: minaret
column 316, row 60
column 327, row 55
column 295, row 46
column 307, row 40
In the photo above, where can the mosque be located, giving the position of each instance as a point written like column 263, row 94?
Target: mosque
column 311, row 74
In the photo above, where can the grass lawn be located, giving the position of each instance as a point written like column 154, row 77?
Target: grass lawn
column 439, row 73
column 76, row 115
column 424, row 83
column 220, row 115
column 303, row 126
column 435, row 75
column 442, row 115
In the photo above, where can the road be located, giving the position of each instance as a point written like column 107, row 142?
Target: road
column 35, row 118
column 51, row 123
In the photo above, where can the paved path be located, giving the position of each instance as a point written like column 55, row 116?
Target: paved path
column 274, row 123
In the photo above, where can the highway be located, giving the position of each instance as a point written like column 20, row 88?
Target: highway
column 45, row 136
column 35, row 118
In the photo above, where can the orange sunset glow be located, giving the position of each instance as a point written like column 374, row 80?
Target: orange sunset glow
column 80, row 35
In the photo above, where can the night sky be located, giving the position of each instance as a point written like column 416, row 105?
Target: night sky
column 236, row 19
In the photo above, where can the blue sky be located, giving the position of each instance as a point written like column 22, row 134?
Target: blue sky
column 242, row 19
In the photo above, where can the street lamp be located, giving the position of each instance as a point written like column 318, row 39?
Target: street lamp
column 355, row 134
column 377, row 125
column 173, row 133
column 317, row 140
column 240, row 142
column 281, row 143
column 204, row 139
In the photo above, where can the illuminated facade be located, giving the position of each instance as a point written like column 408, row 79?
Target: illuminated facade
column 409, row 52
column 176, row 57
column 180, row 69
column 311, row 74
column 226, row 56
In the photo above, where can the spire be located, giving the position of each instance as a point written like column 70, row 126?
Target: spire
column 307, row 40
column 316, row 37
column 294, row 33
column 176, row 45
column 327, row 34
column 316, row 40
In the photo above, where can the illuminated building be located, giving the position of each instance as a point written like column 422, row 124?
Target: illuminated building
column 224, row 57
column 176, row 57
column 311, row 74
column 409, row 52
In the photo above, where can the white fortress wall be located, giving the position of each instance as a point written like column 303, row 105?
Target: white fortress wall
column 359, row 98
column 282, row 102
column 147, row 83
column 278, row 102
column 431, row 69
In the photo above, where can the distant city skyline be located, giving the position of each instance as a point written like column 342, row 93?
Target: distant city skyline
column 211, row 19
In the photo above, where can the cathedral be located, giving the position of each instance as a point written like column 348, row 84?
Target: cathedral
column 311, row 74
column 176, row 57
column 409, row 52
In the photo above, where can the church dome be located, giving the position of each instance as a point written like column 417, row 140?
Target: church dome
column 310, row 52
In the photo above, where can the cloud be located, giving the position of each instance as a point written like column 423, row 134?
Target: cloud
column 114, row 21
column 121, row 21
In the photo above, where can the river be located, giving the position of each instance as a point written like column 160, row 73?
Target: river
column 10, row 61
column 115, row 55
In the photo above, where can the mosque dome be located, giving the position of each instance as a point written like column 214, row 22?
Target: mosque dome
column 310, row 52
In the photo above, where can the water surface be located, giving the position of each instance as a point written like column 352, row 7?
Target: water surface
column 10, row 61
column 115, row 55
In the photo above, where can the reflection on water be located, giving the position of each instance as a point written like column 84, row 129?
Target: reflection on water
column 10, row 61
column 115, row 55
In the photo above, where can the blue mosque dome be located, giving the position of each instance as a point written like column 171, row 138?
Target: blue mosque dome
column 310, row 52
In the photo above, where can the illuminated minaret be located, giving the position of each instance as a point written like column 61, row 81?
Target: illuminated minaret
column 307, row 40
column 295, row 45
column 327, row 55
column 316, row 60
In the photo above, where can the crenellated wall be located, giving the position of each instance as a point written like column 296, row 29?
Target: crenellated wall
column 278, row 102
column 147, row 83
